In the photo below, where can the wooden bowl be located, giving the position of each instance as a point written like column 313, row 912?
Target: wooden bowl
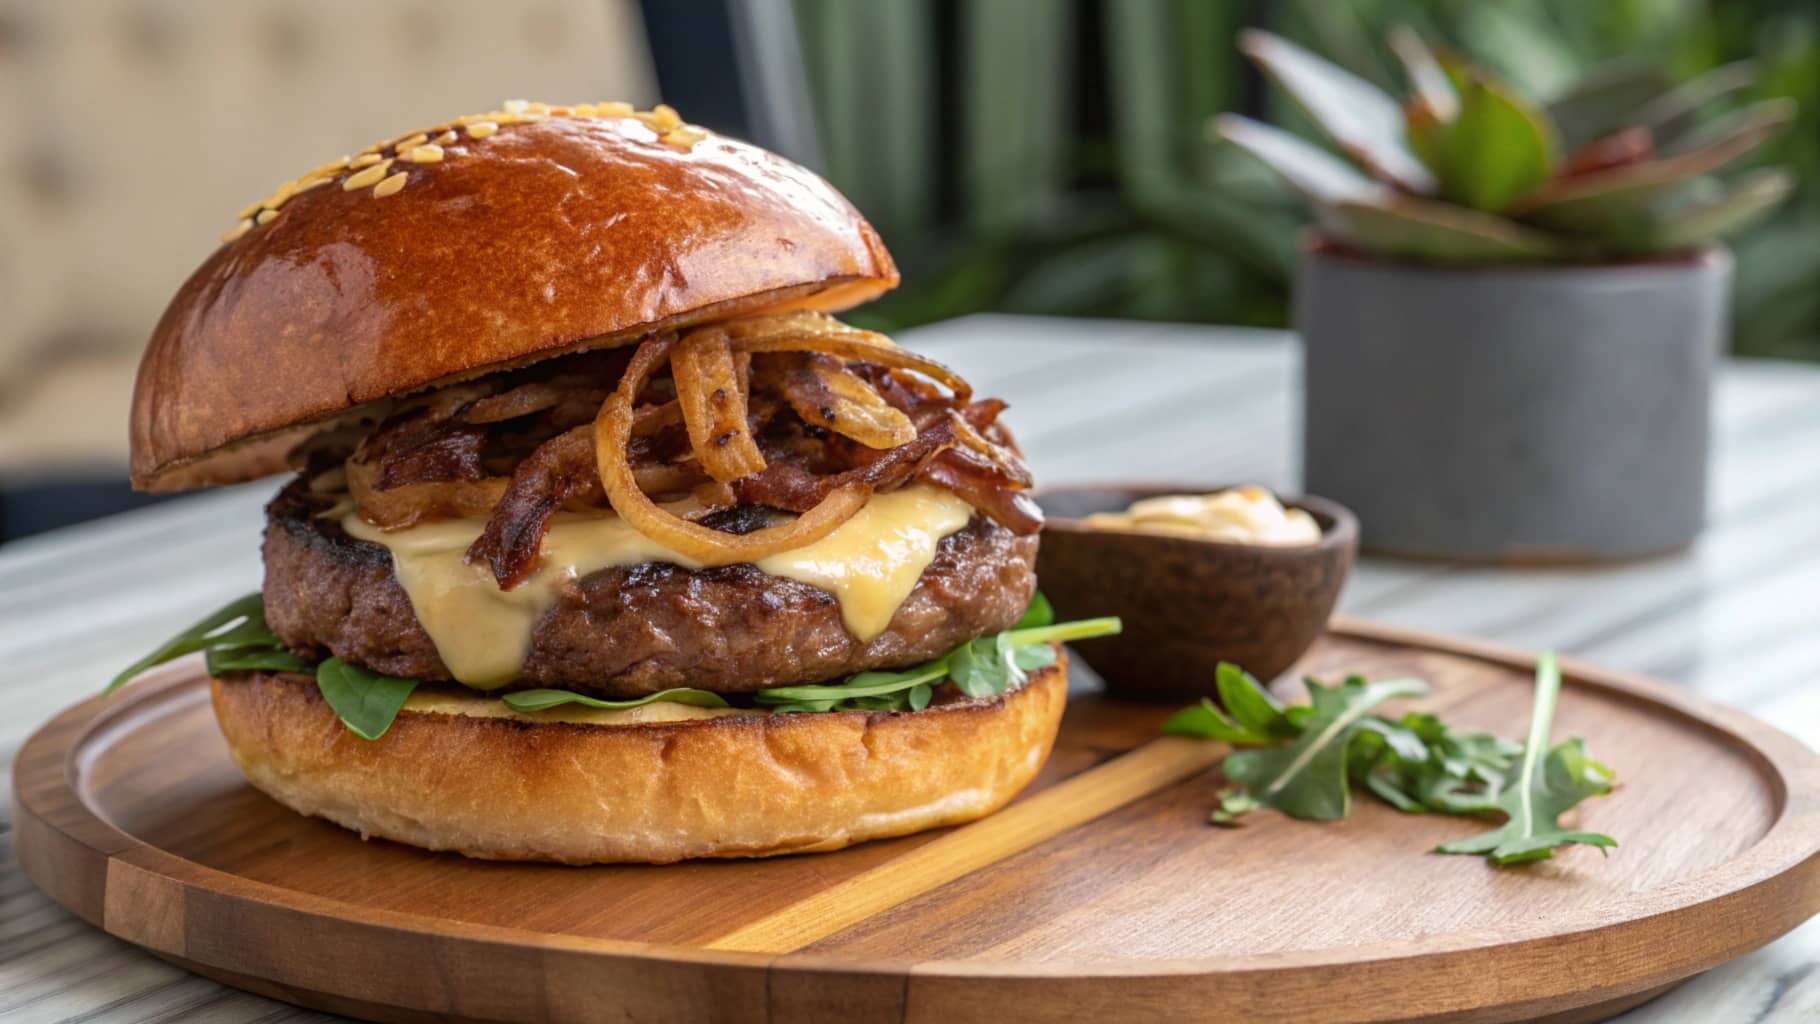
column 1188, row 604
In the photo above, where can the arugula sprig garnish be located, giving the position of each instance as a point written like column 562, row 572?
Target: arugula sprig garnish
column 1307, row 758
column 1546, row 786
column 985, row 667
column 233, row 635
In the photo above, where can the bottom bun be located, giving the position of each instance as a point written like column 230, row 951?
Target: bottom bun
column 509, row 787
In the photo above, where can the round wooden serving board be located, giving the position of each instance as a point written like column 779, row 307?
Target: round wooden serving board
column 1101, row 894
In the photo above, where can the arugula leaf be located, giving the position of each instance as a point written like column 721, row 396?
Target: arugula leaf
column 1040, row 612
column 1546, row 786
column 865, row 684
column 922, row 693
column 1417, row 764
column 985, row 667
column 1065, row 632
column 1308, row 778
column 543, row 700
column 245, row 615
column 247, row 659
column 366, row 701
column 1030, row 659
column 1256, row 717
column 981, row 668
column 1235, row 803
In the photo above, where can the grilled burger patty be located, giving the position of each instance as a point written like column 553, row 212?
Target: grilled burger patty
column 627, row 632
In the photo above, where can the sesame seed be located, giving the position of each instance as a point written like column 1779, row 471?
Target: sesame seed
column 429, row 153
column 614, row 108
column 405, row 142
column 311, row 182
column 538, row 108
column 666, row 115
column 266, row 217
column 446, row 137
column 248, row 210
column 390, row 185
column 364, row 160
column 585, row 110
column 516, row 106
column 481, row 129
column 285, row 191
column 239, row 229
column 363, row 178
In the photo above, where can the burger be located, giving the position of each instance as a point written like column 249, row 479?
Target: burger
column 605, row 540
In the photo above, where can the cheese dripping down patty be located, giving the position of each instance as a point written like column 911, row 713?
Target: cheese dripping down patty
column 870, row 564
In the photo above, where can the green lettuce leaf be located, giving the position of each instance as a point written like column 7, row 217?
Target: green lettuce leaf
column 366, row 701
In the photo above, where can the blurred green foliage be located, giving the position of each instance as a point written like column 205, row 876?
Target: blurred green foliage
column 1053, row 155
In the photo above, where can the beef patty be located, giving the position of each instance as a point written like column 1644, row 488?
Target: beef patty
column 626, row 632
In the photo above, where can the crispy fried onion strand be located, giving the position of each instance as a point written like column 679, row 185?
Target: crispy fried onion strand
column 612, row 435
column 826, row 394
column 713, row 404
column 812, row 332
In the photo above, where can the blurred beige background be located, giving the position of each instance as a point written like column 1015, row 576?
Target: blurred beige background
column 134, row 129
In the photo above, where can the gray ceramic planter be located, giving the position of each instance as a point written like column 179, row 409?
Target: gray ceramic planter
column 1534, row 414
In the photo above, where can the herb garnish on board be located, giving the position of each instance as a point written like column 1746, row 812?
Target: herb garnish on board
column 1304, row 760
column 236, row 638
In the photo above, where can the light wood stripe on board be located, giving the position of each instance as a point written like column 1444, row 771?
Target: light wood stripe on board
column 1066, row 805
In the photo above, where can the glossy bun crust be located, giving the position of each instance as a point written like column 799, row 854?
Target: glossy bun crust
column 737, row 786
column 544, row 237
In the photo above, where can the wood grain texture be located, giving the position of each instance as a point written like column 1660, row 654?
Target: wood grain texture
column 954, row 856
column 1101, row 895
column 1731, row 619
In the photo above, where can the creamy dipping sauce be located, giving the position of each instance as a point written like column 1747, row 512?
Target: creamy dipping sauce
column 870, row 564
column 1243, row 515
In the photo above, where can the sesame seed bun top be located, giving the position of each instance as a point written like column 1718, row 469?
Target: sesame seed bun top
column 489, row 242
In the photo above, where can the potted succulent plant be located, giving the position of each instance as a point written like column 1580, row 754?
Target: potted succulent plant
column 1511, row 310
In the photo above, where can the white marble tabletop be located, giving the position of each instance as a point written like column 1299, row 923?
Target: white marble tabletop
column 1737, row 617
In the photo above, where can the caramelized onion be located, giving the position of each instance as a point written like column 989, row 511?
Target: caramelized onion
column 395, row 508
column 826, row 394
column 714, row 405
column 788, row 485
column 670, row 477
column 1012, row 469
column 522, row 400
column 981, row 488
column 808, row 332
column 557, row 473
column 613, row 432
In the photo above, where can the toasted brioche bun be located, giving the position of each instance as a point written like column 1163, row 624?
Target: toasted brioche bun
column 751, row 785
column 546, row 237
